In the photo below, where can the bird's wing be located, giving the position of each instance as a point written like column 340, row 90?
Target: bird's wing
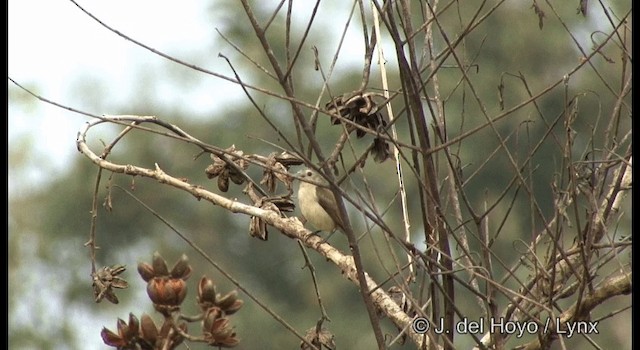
column 328, row 202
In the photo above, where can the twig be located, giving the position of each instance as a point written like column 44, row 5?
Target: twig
column 312, row 271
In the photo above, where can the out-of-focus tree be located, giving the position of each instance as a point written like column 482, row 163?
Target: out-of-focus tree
column 483, row 169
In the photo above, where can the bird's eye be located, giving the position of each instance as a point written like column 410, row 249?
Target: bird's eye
column 308, row 173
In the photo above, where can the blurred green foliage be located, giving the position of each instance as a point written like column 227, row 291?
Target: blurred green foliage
column 48, row 225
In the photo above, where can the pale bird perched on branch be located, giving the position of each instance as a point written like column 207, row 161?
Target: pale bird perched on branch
column 317, row 202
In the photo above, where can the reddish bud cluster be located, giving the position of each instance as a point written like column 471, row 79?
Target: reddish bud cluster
column 215, row 326
column 167, row 290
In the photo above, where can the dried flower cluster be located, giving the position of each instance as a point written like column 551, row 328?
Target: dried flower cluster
column 105, row 279
column 215, row 326
column 320, row 337
column 362, row 110
column 144, row 334
column 275, row 170
column 167, row 290
column 277, row 204
column 227, row 169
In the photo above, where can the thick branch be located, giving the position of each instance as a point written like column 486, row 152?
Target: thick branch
column 291, row 227
column 612, row 286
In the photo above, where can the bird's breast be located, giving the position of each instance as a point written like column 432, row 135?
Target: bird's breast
column 311, row 209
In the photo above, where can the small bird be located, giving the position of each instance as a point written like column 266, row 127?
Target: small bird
column 317, row 203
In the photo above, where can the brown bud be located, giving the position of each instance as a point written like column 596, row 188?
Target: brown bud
column 146, row 271
column 227, row 300
column 159, row 265
column 233, row 308
column 206, row 291
column 133, row 329
column 148, row 329
column 217, row 330
column 223, row 182
column 122, row 329
column 111, row 339
column 181, row 269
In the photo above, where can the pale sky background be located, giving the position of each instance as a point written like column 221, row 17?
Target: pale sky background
column 55, row 46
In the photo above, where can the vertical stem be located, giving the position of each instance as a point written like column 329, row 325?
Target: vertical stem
column 396, row 154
